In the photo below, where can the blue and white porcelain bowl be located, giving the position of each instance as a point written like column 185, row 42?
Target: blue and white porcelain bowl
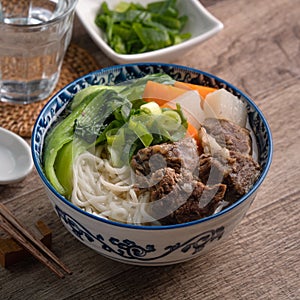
column 148, row 245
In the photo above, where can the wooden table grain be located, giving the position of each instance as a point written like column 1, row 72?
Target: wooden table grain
column 258, row 51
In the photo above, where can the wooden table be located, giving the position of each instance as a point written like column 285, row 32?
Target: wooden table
column 259, row 52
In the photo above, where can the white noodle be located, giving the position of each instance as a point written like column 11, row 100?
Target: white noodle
column 105, row 191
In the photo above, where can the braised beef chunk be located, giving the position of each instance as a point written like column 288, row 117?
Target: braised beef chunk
column 238, row 172
column 179, row 155
column 165, row 181
column 243, row 174
column 229, row 135
column 178, row 198
column 169, row 193
column 213, row 169
column 202, row 203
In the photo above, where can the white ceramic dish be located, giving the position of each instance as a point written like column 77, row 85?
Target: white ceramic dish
column 202, row 25
column 15, row 157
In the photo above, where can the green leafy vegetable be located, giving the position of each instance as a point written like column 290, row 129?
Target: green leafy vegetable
column 57, row 138
column 131, row 28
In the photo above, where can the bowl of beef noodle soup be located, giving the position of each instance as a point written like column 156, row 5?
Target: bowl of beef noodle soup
column 151, row 163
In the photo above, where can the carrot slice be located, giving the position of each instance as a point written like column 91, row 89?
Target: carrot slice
column 202, row 90
column 193, row 132
column 161, row 93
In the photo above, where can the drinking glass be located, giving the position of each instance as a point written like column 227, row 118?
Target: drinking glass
column 34, row 37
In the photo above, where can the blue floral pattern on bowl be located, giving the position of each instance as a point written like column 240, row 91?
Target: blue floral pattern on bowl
column 129, row 249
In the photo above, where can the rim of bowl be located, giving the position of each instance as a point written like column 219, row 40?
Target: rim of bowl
column 158, row 227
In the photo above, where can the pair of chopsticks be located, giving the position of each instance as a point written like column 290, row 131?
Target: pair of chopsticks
column 23, row 236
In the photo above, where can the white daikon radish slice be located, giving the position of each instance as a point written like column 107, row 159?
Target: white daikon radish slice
column 190, row 105
column 223, row 105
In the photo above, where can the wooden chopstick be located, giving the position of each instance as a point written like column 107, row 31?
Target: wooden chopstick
column 12, row 226
column 7, row 227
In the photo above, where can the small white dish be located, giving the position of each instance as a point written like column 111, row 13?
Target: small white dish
column 201, row 24
column 15, row 157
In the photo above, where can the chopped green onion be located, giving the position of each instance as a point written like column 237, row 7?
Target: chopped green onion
column 151, row 108
column 141, row 131
column 170, row 120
